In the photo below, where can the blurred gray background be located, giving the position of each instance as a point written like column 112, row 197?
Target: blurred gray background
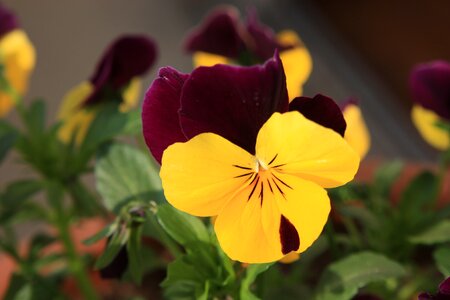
column 70, row 36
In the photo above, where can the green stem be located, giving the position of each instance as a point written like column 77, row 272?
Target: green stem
column 75, row 264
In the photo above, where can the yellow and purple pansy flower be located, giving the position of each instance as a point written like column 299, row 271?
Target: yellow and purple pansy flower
column 231, row 145
column 223, row 38
column 116, row 78
column 430, row 88
column 17, row 60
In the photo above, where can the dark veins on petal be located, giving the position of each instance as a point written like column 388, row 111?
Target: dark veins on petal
column 430, row 87
column 219, row 34
column 233, row 102
column 322, row 110
column 8, row 20
column 160, row 121
column 290, row 240
column 127, row 57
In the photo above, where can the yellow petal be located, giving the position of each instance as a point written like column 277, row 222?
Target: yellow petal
column 425, row 120
column 356, row 134
column 248, row 231
column 131, row 95
column 290, row 258
column 297, row 62
column 249, row 227
column 306, row 149
column 18, row 56
column 75, row 118
column 201, row 175
column 207, row 59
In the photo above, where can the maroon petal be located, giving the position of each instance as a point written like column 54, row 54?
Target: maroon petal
column 264, row 41
column 218, row 34
column 8, row 21
column 322, row 110
column 425, row 296
column 233, row 102
column 444, row 287
column 160, row 122
column 430, row 87
column 127, row 57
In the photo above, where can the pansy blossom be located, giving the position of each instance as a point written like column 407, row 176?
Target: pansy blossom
column 232, row 146
column 116, row 78
column 430, row 88
column 223, row 38
column 442, row 294
column 17, row 60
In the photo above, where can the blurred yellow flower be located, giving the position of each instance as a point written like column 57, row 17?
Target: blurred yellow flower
column 356, row 134
column 17, row 59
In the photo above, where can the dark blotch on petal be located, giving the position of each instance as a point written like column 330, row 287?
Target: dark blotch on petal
column 290, row 240
column 127, row 57
column 218, row 34
column 8, row 21
column 263, row 39
column 322, row 110
column 233, row 102
column 117, row 267
column 430, row 87
column 160, row 121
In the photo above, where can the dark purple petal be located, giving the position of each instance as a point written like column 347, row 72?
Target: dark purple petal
column 218, row 34
column 366, row 297
column 430, row 87
column 127, row 57
column 160, row 122
column 322, row 110
column 263, row 39
column 233, row 102
column 444, row 287
column 8, row 21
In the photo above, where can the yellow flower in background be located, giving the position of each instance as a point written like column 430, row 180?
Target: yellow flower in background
column 426, row 122
column 116, row 79
column 430, row 88
column 222, row 39
column 231, row 145
column 17, row 60
column 356, row 134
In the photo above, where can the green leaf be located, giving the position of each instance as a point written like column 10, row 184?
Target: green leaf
column 20, row 191
column 35, row 117
column 439, row 233
column 386, row 176
column 118, row 240
column 442, row 258
column 8, row 137
column 342, row 279
column 199, row 272
column 133, row 125
column 134, row 254
column 105, row 232
column 182, row 227
column 125, row 174
column 419, row 193
column 250, row 276
column 108, row 123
